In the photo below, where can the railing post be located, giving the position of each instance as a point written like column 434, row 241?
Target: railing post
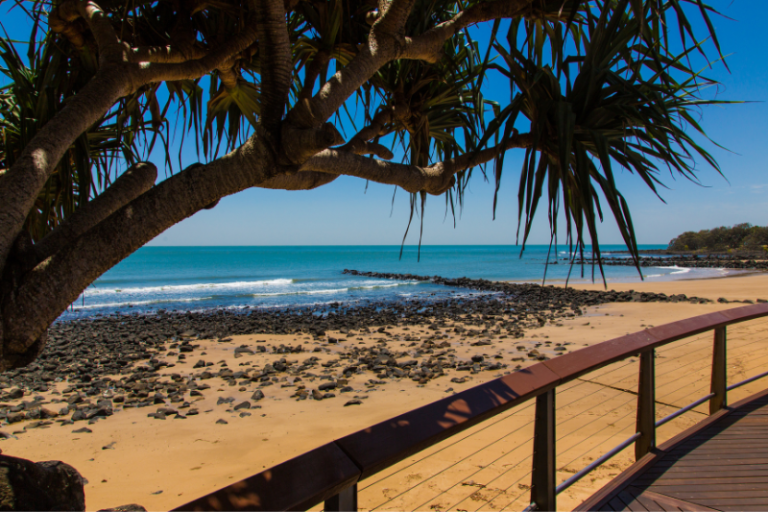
column 345, row 501
column 719, row 372
column 543, row 475
column 646, row 405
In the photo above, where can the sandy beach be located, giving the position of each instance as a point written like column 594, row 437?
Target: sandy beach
column 164, row 462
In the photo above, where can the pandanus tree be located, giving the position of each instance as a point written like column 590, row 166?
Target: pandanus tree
column 292, row 94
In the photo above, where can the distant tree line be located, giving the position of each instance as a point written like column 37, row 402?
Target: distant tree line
column 739, row 237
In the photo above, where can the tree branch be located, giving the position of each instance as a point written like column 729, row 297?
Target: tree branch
column 48, row 289
column 359, row 145
column 110, row 49
column 312, row 71
column 275, row 58
column 22, row 183
column 435, row 179
column 392, row 17
column 428, row 46
column 385, row 43
column 195, row 68
column 165, row 54
column 306, row 180
column 131, row 184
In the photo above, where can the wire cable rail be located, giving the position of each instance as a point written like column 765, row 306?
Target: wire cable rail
column 330, row 474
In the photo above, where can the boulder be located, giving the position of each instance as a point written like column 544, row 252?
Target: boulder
column 50, row 485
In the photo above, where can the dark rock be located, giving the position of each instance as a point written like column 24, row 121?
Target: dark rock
column 257, row 395
column 15, row 394
column 243, row 405
column 353, row 402
column 222, row 422
column 51, row 485
column 326, row 386
column 125, row 508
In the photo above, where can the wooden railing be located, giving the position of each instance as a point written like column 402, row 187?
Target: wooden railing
column 331, row 472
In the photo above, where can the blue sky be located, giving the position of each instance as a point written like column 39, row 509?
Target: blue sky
column 344, row 213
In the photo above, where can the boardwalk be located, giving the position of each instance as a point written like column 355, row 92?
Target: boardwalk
column 719, row 465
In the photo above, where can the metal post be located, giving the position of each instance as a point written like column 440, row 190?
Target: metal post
column 345, row 501
column 646, row 405
column 719, row 374
column 543, row 475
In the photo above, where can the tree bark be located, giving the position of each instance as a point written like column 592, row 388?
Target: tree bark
column 22, row 183
column 275, row 56
column 48, row 289
column 130, row 185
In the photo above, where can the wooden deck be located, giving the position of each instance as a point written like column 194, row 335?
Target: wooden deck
column 721, row 464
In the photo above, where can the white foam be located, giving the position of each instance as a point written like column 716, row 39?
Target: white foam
column 680, row 270
column 182, row 288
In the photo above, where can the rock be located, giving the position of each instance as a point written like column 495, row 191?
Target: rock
column 477, row 359
column 257, row 395
column 222, row 422
column 243, row 405
column 84, row 430
column 317, row 395
column 326, row 386
column 15, row 394
column 125, row 508
column 51, row 485
column 353, row 402
column 346, row 389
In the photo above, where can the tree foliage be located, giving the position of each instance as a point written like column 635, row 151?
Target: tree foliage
column 739, row 237
column 291, row 94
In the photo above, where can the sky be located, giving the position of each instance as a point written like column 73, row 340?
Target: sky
column 346, row 212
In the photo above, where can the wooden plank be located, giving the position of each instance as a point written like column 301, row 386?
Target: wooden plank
column 733, row 503
column 630, row 503
column 743, row 490
column 722, row 455
column 713, row 480
column 664, row 502
column 730, row 461
column 616, row 504
column 643, row 498
column 745, row 470
column 719, row 451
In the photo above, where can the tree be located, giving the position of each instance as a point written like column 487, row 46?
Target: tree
column 593, row 85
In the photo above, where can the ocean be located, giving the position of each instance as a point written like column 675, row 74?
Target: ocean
column 203, row 278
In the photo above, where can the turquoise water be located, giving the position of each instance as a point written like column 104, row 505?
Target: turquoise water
column 200, row 278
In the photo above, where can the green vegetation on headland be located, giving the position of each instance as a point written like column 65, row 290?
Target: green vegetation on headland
column 739, row 238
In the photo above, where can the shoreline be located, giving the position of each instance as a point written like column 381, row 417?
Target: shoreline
column 136, row 438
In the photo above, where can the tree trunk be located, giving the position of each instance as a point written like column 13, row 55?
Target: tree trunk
column 38, row 297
